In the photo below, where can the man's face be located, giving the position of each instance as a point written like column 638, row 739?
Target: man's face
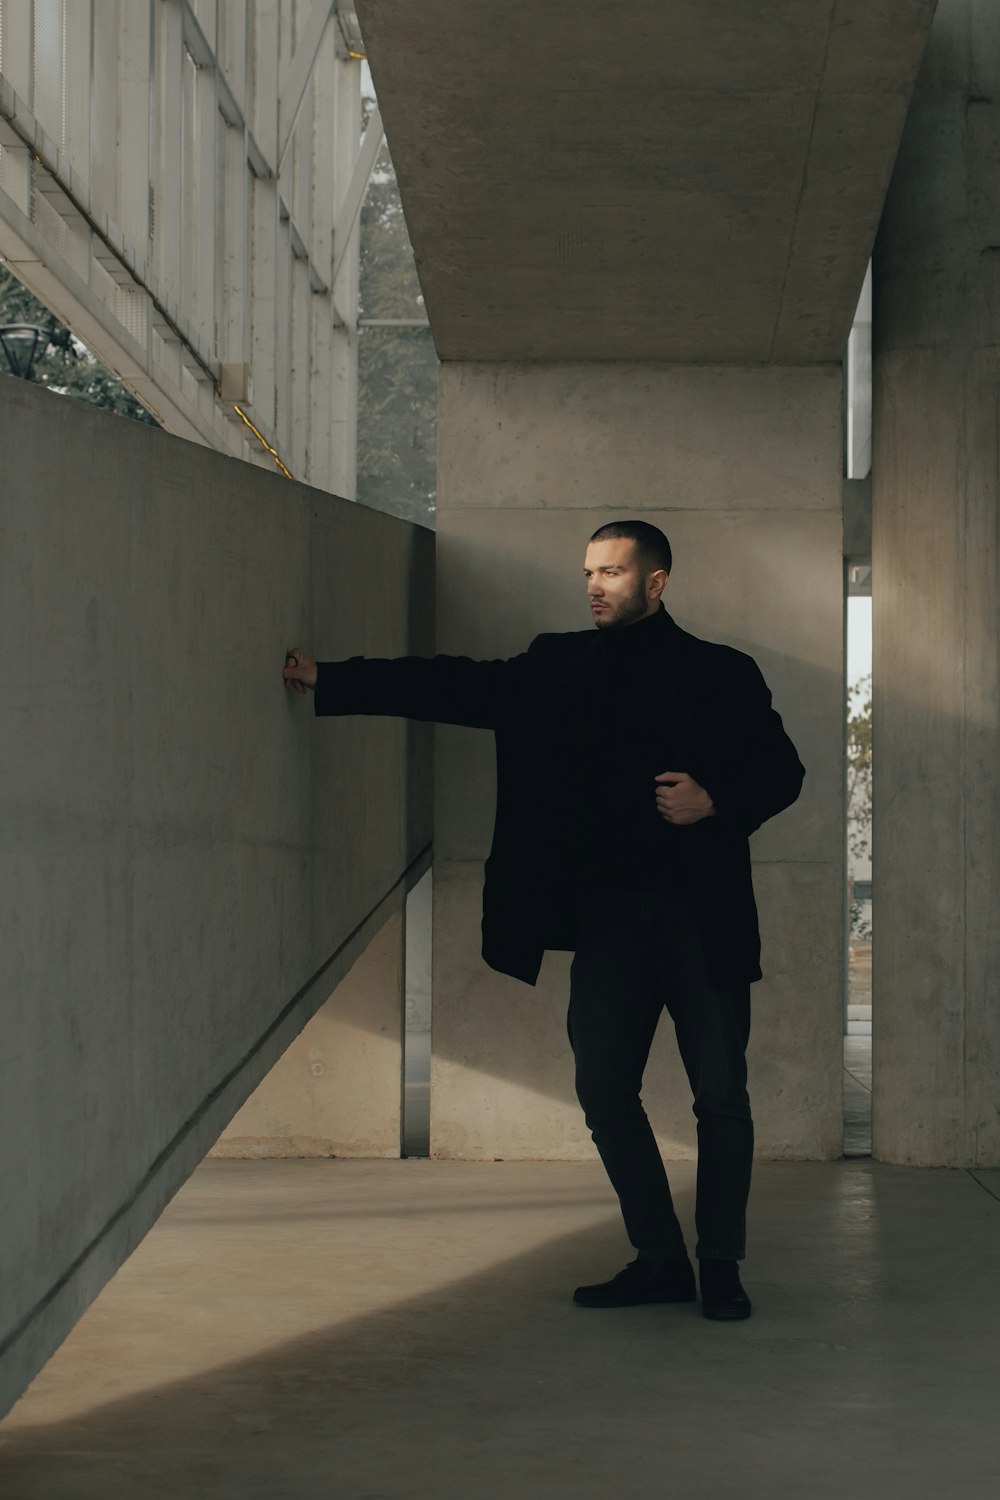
column 619, row 594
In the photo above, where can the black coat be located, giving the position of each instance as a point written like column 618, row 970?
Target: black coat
column 719, row 727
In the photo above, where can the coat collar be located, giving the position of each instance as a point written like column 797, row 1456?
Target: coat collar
column 658, row 638
column 637, row 640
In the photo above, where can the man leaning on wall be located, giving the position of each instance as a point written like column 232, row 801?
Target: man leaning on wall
column 633, row 763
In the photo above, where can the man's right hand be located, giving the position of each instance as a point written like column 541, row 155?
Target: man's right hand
column 300, row 670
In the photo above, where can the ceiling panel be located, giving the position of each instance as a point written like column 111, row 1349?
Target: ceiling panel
column 657, row 179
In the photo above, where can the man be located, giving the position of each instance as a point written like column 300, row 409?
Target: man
column 603, row 847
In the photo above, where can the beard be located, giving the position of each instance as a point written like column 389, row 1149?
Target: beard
column 627, row 610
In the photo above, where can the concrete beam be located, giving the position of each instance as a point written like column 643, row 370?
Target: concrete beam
column 674, row 182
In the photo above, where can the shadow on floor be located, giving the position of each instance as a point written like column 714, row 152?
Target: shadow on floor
column 867, row 1370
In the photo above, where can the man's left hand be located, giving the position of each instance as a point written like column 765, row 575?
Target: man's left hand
column 681, row 800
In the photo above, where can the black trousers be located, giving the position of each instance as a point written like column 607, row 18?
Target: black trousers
column 638, row 953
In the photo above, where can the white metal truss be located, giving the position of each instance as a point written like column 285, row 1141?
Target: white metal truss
column 297, row 73
column 180, row 181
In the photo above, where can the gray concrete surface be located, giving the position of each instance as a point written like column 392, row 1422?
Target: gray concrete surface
column 936, row 596
column 336, row 1090
column 190, row 863
column 403, row 1330
column 742, row 469
column 647, row 182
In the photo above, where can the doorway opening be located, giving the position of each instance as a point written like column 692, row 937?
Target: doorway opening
column 858, row 1006
column 417, row 1022
column 858, row 730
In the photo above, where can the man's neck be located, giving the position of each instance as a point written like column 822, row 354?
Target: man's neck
column 638, row 635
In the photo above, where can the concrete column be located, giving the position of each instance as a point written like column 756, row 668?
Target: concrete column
column 741, row 467
column 338, row 1089
column 936, row 1020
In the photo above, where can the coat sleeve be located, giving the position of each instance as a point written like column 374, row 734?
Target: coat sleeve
column 436, row 689
column 755, row 770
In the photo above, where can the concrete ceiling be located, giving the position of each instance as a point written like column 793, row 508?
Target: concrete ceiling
column 649, row 179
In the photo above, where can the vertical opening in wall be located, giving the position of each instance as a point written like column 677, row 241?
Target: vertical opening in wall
column 417, row 1025
column 860, row 686
column 858, row 403
column 858, row 1009
column 397, row 362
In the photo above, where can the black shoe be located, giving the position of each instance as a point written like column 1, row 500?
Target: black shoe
column 642, row 1281
column 722, row 1296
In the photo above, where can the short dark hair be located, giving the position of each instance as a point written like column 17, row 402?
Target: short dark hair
column 652, row 550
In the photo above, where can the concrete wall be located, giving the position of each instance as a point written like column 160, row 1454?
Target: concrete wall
column 190, row 862
column 742, row 469
column 337, row 1091
column 936, row 600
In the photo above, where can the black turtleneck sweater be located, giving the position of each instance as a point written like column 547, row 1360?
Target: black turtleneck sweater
column 627, row 843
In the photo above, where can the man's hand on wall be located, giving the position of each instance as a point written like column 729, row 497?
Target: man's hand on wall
column 681, row 800
column 300, row 670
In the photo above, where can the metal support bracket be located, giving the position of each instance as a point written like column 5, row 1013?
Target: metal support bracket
column 350, row 208
column 293, row 86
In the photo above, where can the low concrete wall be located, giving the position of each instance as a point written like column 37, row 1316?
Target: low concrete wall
column 190, row 863
column 742, row 469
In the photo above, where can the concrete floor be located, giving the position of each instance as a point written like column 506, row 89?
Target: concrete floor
column 346, row 1330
